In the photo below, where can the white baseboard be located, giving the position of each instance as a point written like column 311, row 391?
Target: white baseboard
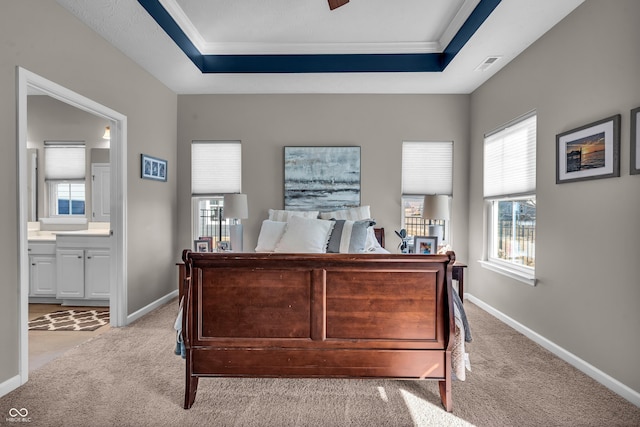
column 149, row 308
column 595, row 373
column 10, row 385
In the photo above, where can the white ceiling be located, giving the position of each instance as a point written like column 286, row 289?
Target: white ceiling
column 277, row 27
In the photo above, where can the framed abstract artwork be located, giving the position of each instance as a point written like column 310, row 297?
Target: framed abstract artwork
column 321, row 178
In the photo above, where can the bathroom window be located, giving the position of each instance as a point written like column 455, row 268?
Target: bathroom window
column 64, row 173
column 67, row 198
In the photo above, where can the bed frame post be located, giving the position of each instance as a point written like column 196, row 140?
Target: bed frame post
column 445, row 385
column 191, row 381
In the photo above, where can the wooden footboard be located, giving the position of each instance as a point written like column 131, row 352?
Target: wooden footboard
column 318, row 315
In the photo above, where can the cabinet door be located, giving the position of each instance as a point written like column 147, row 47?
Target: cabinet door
column 42, row 275
column 100, row 193
column 97, row 273
column 70, row 277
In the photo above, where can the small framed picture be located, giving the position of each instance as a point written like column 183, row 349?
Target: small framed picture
column 589, row 152
column 426, row 245
column 635, row 141
column 208, row 239
column 153, row 168
column 223, row 246
column 202, row 245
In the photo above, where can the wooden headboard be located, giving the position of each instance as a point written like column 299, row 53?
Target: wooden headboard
column 379, row 232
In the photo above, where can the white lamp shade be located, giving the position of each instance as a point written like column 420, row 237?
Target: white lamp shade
column 235, row 206
column 436, row 207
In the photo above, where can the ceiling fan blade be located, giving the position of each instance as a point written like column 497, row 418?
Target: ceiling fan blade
column 333, row 4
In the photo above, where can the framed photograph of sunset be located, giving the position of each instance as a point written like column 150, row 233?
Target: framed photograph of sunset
column 589, row 152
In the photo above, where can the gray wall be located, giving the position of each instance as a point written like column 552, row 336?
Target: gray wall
column 587, row 256
column 44, row 38
column 377, row 123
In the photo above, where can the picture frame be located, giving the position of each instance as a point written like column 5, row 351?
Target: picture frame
column 153, row 168
column 201, row 245
column 223, row 246
column 635, row 141
column 589, row 152
column 425, row 245
column 324, row 178
column 209, row 239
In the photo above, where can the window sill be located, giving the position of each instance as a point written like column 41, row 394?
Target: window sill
column 513, row 273
column 64, row 220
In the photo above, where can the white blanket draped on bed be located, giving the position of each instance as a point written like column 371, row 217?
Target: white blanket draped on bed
column 462, row 334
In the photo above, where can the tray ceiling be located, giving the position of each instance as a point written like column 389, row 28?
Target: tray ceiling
column 300, row 46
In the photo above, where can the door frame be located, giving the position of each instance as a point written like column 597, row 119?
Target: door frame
column 27, row 80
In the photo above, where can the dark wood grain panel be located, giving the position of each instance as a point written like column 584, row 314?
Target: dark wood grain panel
column 381, row 305
column 255, row 303
column 326, row 363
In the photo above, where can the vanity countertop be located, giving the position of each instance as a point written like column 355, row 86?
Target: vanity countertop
column 44, row 235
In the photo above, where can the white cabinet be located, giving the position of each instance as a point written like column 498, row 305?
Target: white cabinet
column 42, row 275
column 83, row 267
column 70, row 273
column 97, row 269
column 42, row 269
column 100, row 192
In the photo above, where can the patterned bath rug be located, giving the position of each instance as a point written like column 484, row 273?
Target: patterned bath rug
column 71, row 320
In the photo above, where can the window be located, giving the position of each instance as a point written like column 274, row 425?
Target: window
column 208, row 220
column 509, row 192
column 67, row 198
column 427, row 168
column 216, row 169
column 65, row 168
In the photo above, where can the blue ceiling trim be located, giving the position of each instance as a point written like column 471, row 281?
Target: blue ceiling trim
column 321, row 63
column 471, row 25
column 338, row 63
column 173, row 30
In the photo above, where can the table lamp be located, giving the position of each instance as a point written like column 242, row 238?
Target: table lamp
column 235, row 207
column 436, row 207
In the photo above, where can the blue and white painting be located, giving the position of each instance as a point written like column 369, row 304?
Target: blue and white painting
column 321, row 178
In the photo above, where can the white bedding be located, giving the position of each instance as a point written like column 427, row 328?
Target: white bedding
column 306, row 232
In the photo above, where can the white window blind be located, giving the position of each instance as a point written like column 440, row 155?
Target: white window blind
column 64, row 162
column 427, row 168
column 510, row 159
column 216, row 167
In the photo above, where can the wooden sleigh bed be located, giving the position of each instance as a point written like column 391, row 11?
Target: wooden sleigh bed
column 318, row 316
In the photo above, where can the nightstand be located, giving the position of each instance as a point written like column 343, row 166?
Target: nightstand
column 457, row 273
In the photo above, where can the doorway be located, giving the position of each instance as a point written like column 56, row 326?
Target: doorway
column 28, row 81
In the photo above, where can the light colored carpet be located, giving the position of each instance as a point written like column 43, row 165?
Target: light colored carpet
column 130, row 377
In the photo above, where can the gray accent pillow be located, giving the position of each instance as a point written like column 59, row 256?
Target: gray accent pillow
column 349, row 236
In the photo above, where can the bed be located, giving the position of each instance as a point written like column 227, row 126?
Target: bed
column 311, row 315
column 287, row 312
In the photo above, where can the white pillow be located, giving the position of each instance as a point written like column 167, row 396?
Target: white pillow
column 305, row 235
column 352, row 214
column 270, row 234
column 280, row 215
